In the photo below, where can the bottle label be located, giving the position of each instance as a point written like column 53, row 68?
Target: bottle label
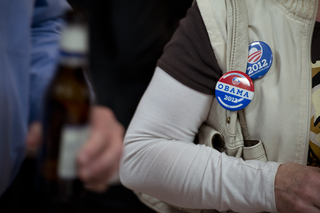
column 72, row 139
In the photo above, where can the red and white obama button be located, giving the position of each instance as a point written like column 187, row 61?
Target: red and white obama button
column 234, row 90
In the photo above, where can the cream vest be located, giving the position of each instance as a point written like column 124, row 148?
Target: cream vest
column 279, row 112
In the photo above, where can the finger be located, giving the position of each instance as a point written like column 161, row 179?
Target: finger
column 105, row 165
column 101, row 185
column 303, row 208
column 93, row 147
column 104, row 126
column 34, row 134
column 97, row 188
column 313, row 190
column 33, row 139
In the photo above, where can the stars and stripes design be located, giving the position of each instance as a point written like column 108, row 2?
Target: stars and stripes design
column 254, row 55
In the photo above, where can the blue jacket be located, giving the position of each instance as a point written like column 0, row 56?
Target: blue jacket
column 29, row 34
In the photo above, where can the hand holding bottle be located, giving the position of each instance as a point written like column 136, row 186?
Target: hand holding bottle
column 99, row 158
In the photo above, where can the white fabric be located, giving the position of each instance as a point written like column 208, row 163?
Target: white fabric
column 161, row 160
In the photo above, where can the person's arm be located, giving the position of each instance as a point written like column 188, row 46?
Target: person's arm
column 99, row 158
column 161, row 160
column 45, row 34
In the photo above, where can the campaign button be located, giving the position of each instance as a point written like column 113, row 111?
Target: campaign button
column 234, row 90
column 259, row 60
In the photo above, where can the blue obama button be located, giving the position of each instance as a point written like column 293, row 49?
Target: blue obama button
column 259, row 60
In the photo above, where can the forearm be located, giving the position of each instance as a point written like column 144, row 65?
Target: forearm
column 161, row 159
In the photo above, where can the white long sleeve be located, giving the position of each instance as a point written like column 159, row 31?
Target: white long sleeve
column 161, row 160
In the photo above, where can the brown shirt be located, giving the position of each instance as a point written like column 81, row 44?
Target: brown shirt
column 188, row 57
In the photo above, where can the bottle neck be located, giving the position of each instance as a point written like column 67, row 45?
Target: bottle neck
column 74, row 45
column 72, row 59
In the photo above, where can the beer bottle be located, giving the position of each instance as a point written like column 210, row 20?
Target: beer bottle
column 65, row 120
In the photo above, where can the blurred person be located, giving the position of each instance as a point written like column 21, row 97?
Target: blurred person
column 160, row 156
column 29, row 38
column 30, row 33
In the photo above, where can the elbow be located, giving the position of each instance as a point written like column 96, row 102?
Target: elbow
column 136, row 164
column 125, row 175
column 129, row 173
